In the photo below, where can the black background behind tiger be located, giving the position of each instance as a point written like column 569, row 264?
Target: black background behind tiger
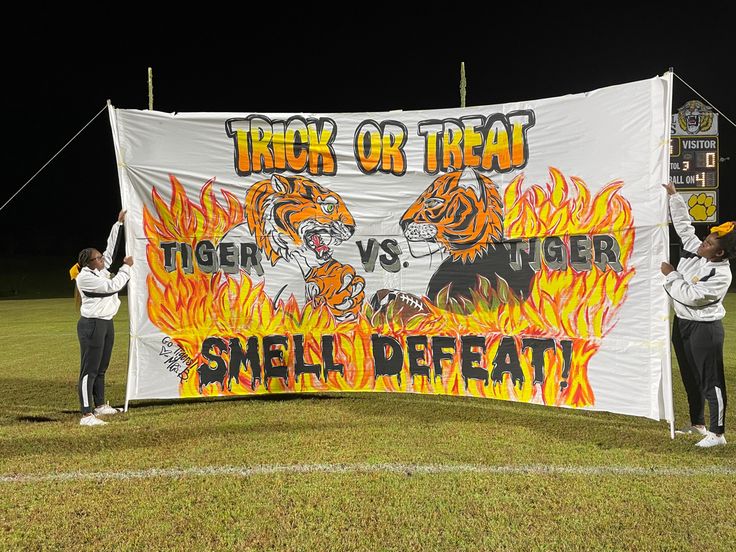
column 57, row 77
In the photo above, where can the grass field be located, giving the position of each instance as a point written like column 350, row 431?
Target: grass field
column 338, row 472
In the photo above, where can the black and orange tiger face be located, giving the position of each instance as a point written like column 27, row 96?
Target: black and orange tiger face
column 461, row 211
column 294, row 214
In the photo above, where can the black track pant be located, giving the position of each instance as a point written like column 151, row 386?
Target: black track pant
column 699, row 351
column 96, row 337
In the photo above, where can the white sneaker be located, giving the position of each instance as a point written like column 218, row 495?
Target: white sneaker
column 91, row 421
column 711, row 440
column 692, row 430
column 107, row 410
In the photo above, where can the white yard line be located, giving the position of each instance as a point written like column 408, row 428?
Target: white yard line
column 407, row 469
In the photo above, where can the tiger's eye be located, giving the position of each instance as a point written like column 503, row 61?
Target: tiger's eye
column 433, row 202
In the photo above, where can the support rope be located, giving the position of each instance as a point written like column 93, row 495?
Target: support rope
column 703, row 97
column 54, row 157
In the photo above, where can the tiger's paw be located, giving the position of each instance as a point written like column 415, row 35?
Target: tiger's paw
column 338, row 287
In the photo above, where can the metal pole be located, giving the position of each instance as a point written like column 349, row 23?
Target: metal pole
column 462, row 84
column 150, row 89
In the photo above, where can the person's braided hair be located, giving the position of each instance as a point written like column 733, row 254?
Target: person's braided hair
column 85, row 255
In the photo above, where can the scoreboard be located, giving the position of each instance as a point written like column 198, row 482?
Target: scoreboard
column 694, row 159
column 694, row 162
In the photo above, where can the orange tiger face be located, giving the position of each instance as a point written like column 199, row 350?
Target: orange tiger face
column 295, row 215
column 461, row 211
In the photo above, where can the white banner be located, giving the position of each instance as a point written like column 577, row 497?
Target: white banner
column 503, row 251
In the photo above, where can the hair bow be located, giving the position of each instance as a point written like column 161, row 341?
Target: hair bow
column 723, row 229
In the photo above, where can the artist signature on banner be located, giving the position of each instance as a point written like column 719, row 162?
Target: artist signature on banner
column 175, row 359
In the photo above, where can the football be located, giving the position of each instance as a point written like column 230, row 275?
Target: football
column 405, row 305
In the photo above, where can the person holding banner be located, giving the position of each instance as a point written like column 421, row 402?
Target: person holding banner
column 697, row 288
column 96, row 291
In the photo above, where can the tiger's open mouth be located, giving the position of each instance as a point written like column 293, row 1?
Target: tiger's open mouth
column 323, row 238
column 319, row 241
column 693, row 123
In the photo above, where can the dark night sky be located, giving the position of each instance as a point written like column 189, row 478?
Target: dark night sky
column 57, row 77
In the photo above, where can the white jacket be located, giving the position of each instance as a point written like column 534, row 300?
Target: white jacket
column 698, row 286
column 98, row 288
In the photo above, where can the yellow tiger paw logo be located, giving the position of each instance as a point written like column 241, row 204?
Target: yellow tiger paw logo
column 701, row 206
